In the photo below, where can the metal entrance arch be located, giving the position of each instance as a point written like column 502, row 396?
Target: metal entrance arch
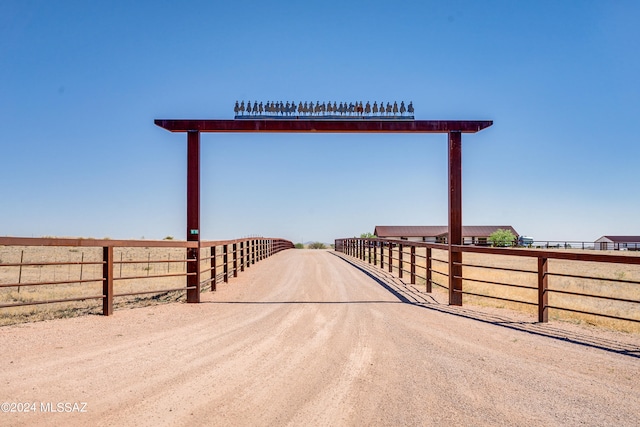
column 454, row 129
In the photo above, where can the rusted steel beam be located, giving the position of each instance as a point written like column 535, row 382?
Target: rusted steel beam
column 581, row 255
column 92, row 243
column 306, row 125
column 455, row 217
column 193, row 215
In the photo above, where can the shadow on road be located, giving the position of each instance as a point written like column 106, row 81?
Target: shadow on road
column 411, row 294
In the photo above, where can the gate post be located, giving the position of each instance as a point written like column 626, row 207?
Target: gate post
column 193, row 215
column 455, row 217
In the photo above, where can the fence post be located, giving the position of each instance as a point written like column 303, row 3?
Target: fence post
column 253, row 252
column 261, row 249
column 543, row 286
column 382, row 255
column 235, row 260
column 225, row 262
column 214, row 272
column 107, row 280
column 242, row 250
column 375, row 252
column 400, row 253
column 413, row 265
column 428, row 270
column 390, row 257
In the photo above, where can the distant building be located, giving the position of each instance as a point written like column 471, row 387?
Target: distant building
column 471, row 234
column 618, row 243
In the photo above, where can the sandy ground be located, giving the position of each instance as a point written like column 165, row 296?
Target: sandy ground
column 308, row 338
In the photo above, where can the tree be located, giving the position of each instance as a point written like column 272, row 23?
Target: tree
column 502, row 238
column 368, row 236
column 317, row 245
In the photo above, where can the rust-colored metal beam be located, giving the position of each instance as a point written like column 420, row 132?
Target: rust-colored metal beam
column 454, row 129
column 193, row 215
column 328, row 126
column 455, row 217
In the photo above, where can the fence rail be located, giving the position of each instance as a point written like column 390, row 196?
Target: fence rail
column 573, row 282
column 576, row 244
column 136, row 275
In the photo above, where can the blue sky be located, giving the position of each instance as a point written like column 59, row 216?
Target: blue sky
column 81, row 83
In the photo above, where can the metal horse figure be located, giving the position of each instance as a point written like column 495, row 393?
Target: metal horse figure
column 321, row 109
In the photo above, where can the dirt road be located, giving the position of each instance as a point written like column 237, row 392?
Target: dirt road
column 306, row 338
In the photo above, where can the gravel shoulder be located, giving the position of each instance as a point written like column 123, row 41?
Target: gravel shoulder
column 312, row 338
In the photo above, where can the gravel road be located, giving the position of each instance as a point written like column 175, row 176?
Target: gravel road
column 308, row 338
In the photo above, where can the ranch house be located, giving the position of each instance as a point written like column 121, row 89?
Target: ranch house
column 471, row 234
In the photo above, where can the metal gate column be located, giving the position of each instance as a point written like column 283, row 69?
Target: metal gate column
column 455, row 217
column 193, row 215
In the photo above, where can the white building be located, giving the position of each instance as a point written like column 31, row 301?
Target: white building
column 618, row 243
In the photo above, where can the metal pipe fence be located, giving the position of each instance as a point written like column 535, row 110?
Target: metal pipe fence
column 109, row 269
column 588, row 283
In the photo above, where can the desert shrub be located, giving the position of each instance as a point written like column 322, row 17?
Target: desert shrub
column 317, row 245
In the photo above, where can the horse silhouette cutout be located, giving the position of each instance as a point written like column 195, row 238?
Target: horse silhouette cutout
column 325, row 109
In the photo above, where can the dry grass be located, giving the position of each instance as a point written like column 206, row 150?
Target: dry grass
column 608, row 284
column 144, row 269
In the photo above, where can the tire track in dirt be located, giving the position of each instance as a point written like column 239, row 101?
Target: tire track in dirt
column 304, row 338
